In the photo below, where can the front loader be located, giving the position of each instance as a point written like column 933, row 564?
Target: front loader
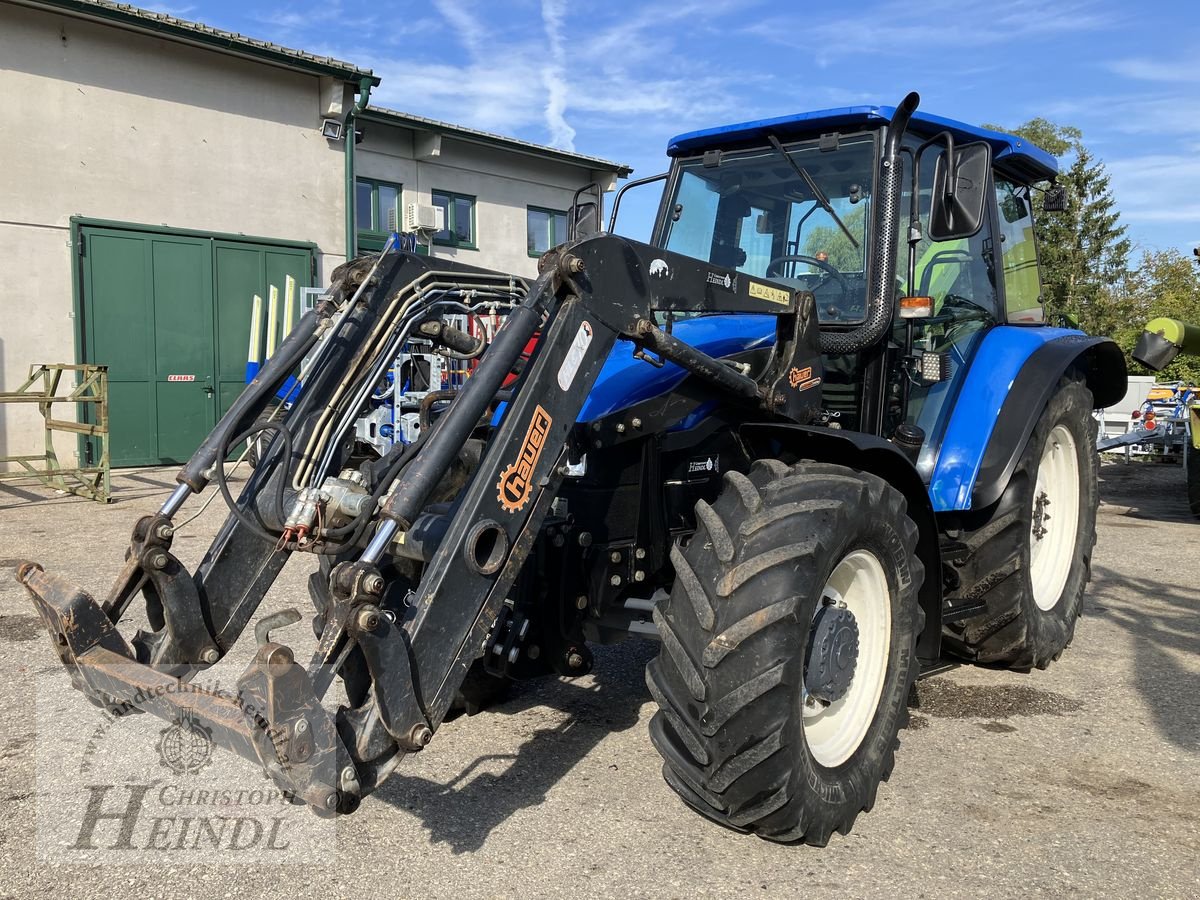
column 810, row 437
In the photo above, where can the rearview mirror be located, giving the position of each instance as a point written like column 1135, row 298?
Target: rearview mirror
column 959, row 197
column 1013, row 208
column 584, row 219
column 1055, row 199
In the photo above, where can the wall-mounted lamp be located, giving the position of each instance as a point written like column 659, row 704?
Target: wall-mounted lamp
column 331, row 129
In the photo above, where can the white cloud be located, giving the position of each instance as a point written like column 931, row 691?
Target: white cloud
column 170, row 9
column 896, row 27
column 464, row 23
column 1170, row 117
column 1157, row 188
column 626, row 75
column 294, row 24
column 554, row 75
column 1144, row 69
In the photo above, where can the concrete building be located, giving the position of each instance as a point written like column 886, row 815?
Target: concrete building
column 505, row 201
column 163, row 172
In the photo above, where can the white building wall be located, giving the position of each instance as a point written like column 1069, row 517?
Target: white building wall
column 107, row 123
column 503, row 183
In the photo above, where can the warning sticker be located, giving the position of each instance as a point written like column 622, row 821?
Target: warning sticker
column 570, row 365
column 768, row 293
column 181, row 378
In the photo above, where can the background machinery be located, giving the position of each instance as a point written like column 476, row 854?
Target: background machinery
column 796, row 431
column 1160, row 342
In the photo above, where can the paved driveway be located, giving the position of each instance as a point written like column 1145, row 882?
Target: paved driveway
column 1084, row 779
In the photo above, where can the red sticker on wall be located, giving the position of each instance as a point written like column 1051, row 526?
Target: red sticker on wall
column 181, row 378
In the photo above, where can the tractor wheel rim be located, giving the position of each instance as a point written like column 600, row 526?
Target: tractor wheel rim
column 1055, row 522
column 835, row 731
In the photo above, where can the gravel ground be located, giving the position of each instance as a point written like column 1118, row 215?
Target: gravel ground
column 1083, row 779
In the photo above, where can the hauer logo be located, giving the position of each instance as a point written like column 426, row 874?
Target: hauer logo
column 798, row 375
column 516, row 481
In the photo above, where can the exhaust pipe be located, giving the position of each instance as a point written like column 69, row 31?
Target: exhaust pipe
column 881, row 290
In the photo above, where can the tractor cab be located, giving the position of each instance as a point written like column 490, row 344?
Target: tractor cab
column 798, row 200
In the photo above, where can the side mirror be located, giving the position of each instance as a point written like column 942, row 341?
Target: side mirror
column 584, row 219
column 1055, row 199
column 959, row 198
column 1013, row 208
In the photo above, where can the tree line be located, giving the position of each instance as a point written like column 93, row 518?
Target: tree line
column 1089, row 278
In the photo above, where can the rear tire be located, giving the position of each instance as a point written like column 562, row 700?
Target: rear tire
column 745, row 740
column 1191, row 469
column 1030, row 557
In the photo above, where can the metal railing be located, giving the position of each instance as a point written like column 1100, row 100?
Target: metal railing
column 90, row 394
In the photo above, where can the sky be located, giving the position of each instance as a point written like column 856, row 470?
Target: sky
column 617, row 79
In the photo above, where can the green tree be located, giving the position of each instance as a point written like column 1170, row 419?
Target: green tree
column 830, row 239
column 1084, row 252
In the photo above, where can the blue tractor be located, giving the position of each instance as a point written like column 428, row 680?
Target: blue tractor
column 813, row 437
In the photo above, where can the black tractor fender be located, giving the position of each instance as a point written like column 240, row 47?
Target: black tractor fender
column 867, row 453
column 1099, row 360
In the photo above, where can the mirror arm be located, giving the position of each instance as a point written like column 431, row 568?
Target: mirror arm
column 914, row 217
column 948, row 139
column 637, row 182
column 914, row 213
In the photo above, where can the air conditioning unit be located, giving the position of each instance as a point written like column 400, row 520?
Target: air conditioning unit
column 419, row 217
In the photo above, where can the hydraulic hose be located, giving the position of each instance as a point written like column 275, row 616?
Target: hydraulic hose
column 881, row 290
column 423, row 475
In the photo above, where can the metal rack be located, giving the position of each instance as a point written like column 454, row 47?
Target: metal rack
column 90, row 394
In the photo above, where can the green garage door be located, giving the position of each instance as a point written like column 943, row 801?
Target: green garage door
column 169, row 314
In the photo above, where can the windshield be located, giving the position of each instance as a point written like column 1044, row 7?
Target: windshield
column 756, row 213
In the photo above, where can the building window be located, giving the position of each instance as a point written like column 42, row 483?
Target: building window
column 544, row 228
column 374, row 203
column 459, row 212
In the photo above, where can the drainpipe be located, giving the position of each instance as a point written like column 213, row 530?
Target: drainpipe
column 364, row 97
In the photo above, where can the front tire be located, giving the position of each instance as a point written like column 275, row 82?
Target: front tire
column 788, row 650
column 1030, row 555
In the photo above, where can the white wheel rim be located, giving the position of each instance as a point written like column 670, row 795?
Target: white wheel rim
column 834, row 731
column 1055, row 522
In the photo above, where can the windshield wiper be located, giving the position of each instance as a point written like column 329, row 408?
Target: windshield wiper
column 818, row 194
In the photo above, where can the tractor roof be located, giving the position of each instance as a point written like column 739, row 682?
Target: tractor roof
column 1013, row 153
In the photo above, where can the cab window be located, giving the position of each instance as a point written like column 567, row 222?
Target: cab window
column 959, row 275
column 803, row 220
column 1018, row 253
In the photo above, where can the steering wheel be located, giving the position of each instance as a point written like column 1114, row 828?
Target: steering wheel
column 832, row 311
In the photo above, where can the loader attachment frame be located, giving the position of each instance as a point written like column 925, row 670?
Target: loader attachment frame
column 590, row 294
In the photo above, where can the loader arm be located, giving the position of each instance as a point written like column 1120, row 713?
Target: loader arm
column 589, row 295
